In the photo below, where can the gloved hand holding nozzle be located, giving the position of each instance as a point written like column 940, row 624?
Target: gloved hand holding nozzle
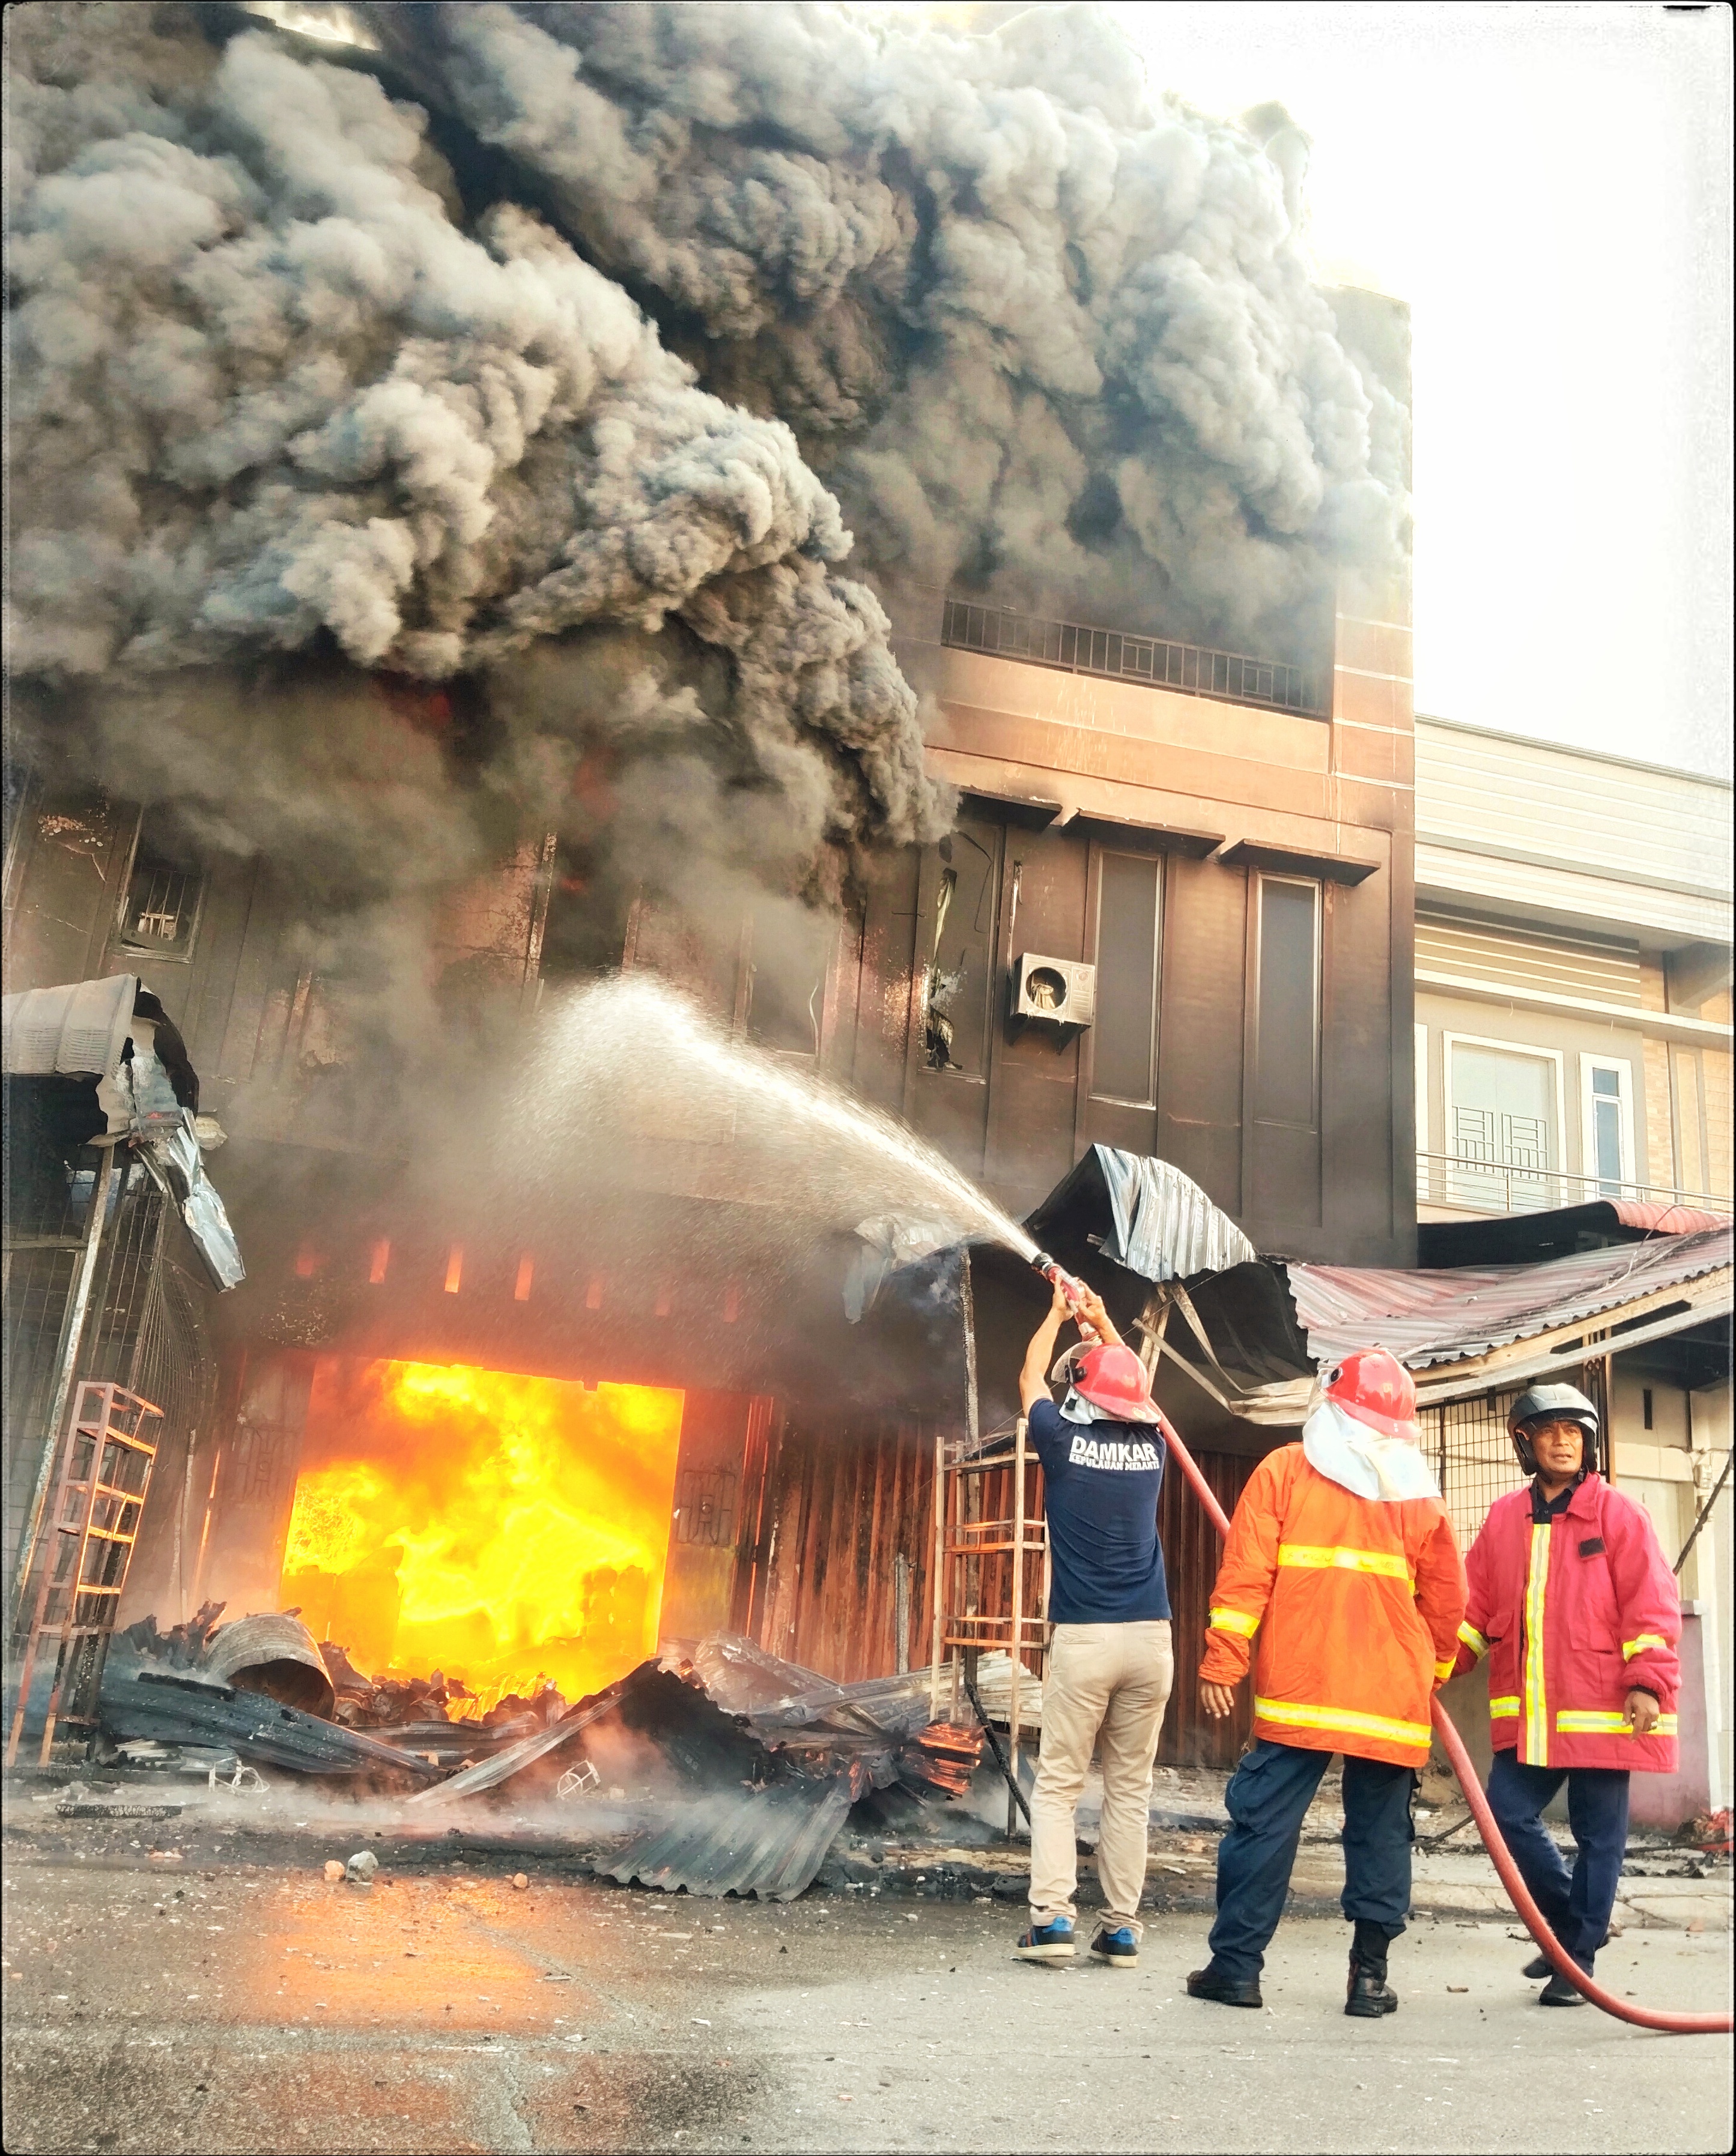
column 1075, row 1299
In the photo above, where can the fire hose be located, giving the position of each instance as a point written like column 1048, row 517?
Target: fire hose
column 1557, row 1956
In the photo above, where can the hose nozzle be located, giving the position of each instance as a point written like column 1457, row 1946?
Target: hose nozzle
column 1072, row 1290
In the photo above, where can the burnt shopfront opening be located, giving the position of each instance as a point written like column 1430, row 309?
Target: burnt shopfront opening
column 501, row 1528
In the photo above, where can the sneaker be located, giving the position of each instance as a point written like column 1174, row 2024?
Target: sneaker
column 1047, row 1942
column 1211, row 1983
column 1118, row 1947
column 1558, row 1992
column 1368, row 1994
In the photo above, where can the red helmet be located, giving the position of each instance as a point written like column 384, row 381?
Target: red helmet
column 1375, row 1389
column 1113, row 1378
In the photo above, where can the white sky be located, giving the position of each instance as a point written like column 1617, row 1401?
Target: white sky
column 1548, row 186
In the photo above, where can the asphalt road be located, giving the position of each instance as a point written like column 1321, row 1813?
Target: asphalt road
column 157, row 2008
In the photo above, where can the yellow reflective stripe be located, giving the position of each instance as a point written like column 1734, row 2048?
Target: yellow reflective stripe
column 1630, row 1648
column 1443, row 1671
column 1501, row 1710
column 1235, row 1620
column 1341, row 1718
column 1534, row 1745
column 1602, row 1721
column 1474, row 1640
column 1316, row 1556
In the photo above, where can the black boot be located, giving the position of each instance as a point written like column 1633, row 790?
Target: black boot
column 1212, row 1982
column 1367, row 1994
column 1558, row 1992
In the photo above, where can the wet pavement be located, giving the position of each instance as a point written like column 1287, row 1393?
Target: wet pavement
column 236, row 2001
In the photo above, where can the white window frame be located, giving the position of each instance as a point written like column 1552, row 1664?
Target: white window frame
column 1623, row 1070
column 1559, row 1175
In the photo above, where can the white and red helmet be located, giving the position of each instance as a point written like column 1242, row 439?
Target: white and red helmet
column 1375, row 1389
column 1111, row 1377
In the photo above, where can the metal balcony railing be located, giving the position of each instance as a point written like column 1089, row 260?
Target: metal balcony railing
column 1152, row 661
column 1472, row 1185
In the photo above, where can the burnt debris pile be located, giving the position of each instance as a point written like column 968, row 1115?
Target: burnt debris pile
column 719, row 1767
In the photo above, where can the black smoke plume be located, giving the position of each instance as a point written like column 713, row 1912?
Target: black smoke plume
column 460, row 426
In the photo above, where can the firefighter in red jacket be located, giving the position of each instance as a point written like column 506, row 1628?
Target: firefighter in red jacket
column 1577, row 1610
column 1342, row 1579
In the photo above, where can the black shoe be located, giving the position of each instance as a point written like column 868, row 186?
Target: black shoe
column 1367, row 1994
column 1558, row 1992
column 1536, row 1968
column 1211, row 1983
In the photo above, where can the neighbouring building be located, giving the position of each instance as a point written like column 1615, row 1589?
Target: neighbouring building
column 1573, row 1080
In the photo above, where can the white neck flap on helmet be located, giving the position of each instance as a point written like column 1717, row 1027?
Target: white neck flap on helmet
column 1387, row 1469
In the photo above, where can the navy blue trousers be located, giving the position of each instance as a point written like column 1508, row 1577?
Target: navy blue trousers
column 1267, row 1796
column 1575, row 1906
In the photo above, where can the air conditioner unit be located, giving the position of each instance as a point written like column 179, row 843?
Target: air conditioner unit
column 1058, row 990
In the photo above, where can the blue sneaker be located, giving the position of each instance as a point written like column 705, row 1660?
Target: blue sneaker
column 1047, row 1942
column 1118, row 1947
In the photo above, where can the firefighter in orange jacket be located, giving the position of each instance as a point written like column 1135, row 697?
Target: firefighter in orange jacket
column 1342, row 1577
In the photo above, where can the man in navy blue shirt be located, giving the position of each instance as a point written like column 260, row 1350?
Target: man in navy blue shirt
column 1108, row 1678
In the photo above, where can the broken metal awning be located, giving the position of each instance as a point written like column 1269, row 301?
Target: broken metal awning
column 77, row 1031
column 81, row 1030
column 1473, row 1328
column 1252, row 1337
column 1150, row 1216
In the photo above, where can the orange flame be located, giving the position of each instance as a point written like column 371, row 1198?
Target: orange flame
column 495, row 1527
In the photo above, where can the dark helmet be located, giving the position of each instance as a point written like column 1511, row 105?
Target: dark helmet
column 1547, row 1403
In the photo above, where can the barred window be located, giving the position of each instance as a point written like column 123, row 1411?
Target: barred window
column 161, row 912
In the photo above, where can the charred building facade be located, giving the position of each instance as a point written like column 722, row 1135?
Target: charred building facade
column 955, row 630
column 1219, row 882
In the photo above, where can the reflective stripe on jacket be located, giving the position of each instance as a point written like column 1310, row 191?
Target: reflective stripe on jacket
column 1352, row 1608
column 1573, row 1616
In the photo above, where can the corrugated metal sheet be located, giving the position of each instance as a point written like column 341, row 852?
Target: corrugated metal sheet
column 769, row 1842
column 1160, row 1224
column 78, row 1030
column 1429, row 1317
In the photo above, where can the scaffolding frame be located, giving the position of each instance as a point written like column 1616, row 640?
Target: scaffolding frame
column 84, row 1548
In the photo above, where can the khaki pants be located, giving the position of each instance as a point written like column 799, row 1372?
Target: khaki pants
column 1105, row 1686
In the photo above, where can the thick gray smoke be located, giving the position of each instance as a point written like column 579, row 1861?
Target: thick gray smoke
column 547, row 352
column 1037, row 328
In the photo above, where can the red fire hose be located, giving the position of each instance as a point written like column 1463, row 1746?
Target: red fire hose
column 1643, row 2017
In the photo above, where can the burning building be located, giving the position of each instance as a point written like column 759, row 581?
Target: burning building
column 871, row 524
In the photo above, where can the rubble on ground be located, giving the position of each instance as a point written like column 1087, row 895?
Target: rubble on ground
column 744, row 1769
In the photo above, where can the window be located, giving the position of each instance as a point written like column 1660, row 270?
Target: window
column 1606, row 1133
column 160, row 912
column 788, row 951
column 1503, row 1125
column 1124, row 1045
column 1287, row 1041
column 956, row 1021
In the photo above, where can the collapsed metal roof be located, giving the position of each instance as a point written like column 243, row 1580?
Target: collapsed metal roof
column 1429, row 1317
column 1252, row 1336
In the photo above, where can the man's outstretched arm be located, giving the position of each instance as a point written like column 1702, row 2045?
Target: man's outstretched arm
column 1034, row 1378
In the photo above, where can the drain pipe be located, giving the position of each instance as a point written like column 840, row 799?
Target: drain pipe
column 1558, row 1957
